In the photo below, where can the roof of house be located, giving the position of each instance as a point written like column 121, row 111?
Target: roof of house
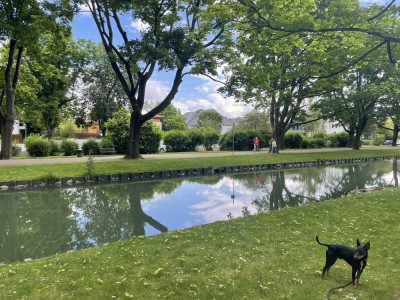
column 191, row 118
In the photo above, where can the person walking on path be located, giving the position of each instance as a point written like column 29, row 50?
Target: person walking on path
column 256, row 143
column 274, row 146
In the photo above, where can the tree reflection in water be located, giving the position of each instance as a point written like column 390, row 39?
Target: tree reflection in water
column 36, row 224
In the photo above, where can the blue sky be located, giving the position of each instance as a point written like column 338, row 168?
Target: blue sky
column 196, row 92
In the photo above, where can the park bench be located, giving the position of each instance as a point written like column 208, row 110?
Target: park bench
column 107, row 150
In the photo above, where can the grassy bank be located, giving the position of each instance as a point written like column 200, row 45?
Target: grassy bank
column 41, row 171
column 265, row 256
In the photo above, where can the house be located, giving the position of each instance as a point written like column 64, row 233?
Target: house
column 297, row 129
column 157, row 119
column 19, row 131
column 192, row 117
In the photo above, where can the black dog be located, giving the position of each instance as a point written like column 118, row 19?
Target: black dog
column 355, row 257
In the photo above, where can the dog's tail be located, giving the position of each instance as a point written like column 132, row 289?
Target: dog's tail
column 316, row 237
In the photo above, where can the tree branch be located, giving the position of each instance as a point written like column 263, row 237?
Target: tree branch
column 381, row 12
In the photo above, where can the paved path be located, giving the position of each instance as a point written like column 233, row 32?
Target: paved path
column 60, row 160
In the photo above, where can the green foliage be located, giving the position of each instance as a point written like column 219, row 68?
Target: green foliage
column 307, row 143
column 177, row 141
column 37, row 146
column 343, row 139
column 378, row 139
column 254, row 120
column 319, row 135
column 243, row 139
column 211, row 137
column 69, row 147
column 90, row 166
column 91, row 147
column 54, row 147
column 150, row 137
column 312, row 142
column 106, row 142
column 197, row 138
column 293, row 140
column 67, row 129
column 210, row 119
column 173, row 119
column 118, row 130
column 15, row 148
column 118, row 133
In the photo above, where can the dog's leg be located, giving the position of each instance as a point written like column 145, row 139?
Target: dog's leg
column 360, row 270
column 353, row 276
column 330, row 260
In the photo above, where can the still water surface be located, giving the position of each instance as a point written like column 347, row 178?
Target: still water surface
column 36, row 224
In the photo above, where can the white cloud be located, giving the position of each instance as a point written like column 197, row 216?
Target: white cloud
column 83, row 11
column 138, row 25
column 210, row 98
column 156, row 92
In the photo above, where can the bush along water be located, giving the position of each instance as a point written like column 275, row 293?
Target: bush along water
column 91, row 147
column 37, row 146
column 69, row 147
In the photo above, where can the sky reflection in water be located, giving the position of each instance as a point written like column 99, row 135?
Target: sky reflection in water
column 40, row 223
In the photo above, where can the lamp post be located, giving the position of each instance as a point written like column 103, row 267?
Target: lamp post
column 233, row 192
column 233, row 139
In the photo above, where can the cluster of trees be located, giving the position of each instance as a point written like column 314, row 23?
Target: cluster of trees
column 281, row 56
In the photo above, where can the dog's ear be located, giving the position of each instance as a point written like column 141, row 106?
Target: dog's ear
column 367, row 245
column 358, row 243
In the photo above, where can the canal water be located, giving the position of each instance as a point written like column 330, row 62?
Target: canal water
column 39, row 223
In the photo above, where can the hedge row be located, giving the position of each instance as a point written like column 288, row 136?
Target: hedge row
column 188, row 140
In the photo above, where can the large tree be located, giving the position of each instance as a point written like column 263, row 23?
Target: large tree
column 179, row 37
column 102, row 94
column 354, row 103
column 346, row 17
column 22, row 22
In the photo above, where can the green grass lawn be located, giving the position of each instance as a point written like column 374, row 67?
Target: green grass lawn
column 41, row 171
column 265, row 256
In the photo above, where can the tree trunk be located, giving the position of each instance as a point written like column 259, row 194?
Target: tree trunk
column 357, row 140
column 358, row 132
column 7, row 125
column 395, row 134
column 350, row 141
column 8, row 118
column 134, row 136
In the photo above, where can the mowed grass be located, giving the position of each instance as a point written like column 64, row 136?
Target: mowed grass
column 63, row 170
column 265, row 256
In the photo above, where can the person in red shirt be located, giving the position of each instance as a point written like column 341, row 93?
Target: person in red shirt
column 256, row 143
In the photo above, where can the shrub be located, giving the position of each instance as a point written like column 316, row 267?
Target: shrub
column 244, row 139
column 37, row 146
column 319, row 135
column 118, row 130
column 293, row 140
column 106, row 142
column 118, row 133
column 177, row 140
column 67, row 129
column 211, row 137
column 69, row 147
column 307, row 143
column 54, row 148
column 197, row 138
column 342, row 139
column 150, row 137
column 91, row 147
column 378, row 139
column 15, row 148
column 319, row 142
column 337, row 139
